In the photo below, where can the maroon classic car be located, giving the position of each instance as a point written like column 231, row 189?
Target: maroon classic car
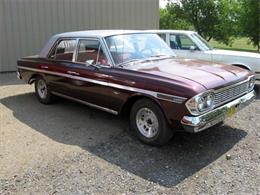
column 137, row 73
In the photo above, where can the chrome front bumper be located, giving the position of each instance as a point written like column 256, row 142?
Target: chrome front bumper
column 195, row 124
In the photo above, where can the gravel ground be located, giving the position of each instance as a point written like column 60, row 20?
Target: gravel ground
column 67, row 148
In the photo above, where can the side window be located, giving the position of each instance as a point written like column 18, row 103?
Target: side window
column 91, row 52
column 163, row 36
column 174, row 41
column 186, row 42
column 64, row 50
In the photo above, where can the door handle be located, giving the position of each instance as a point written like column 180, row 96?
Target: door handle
column 72, row 72
column 44, row 67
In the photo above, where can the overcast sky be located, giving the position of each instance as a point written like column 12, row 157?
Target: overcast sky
column 163, row 3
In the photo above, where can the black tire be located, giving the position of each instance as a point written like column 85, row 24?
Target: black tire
column 47, row 98
column 163, row 133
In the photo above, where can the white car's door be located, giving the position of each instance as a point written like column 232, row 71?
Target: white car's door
column 185, row 47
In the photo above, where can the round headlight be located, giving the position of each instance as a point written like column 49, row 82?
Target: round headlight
column 251, row 83
column 205, row 101
column 210, row 100
column 201, row 103
column 201, row 106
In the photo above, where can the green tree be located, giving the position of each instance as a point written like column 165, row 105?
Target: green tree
column 250, row 21
column 202, row 14
column 227, row 28
column 172, row 17
column 210, row 18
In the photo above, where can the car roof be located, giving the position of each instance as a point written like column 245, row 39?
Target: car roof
column 96, row 33
column 171, row 31
column 81, row 34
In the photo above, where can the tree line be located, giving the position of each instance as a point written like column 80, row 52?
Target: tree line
column 222, row 20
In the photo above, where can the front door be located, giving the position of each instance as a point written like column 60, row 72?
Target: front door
column 89, row 73
column 184, row 47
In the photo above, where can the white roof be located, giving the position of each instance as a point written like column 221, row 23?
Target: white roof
column 79, row 34
column 171, row 31
column 96, row 33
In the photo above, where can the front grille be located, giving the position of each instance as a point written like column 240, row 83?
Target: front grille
column 228, row 93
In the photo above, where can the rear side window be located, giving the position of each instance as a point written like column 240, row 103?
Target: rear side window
column 64, row 50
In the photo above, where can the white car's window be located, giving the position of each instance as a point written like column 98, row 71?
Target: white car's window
column 200, row 41
column 90, row 52
column 180, row 41
column 124, row 48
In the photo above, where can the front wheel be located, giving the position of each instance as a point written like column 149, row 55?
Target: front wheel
column 149, row 123
column 42, row 91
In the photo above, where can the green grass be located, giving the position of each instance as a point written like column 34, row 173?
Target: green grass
column 241, row 44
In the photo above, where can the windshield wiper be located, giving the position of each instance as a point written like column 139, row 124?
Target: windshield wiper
column 122, row 64
column 161, row 55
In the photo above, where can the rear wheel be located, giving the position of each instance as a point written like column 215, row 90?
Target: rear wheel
column 149, row 123
column 42, row 91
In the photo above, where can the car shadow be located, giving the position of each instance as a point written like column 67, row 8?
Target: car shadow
column 257, row 90
column 108, row 137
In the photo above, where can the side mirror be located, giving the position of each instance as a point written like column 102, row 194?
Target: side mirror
column 192, row 48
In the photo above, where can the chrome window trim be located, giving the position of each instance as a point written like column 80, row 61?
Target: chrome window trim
column 55, row 47
column 108, row 52
column 175, row 99
column 101, row 46
column 75, row 53
column 85, row 103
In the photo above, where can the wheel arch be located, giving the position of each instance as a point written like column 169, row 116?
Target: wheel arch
column 244, row 66
column 33, row 77
column 125, row 110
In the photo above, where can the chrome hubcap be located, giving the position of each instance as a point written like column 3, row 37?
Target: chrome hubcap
column 42, row 89
column 147, row 122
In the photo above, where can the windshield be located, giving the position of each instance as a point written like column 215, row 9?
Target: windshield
column 131, row 47
column 202, row 42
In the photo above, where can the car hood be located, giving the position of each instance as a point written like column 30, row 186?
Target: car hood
column 207, row 74
column 234, row 53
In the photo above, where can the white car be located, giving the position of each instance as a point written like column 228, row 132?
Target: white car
column 189, row 44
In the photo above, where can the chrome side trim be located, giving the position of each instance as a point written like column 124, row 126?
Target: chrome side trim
column 85, row 103
column 171, row 98
column 175, row 99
